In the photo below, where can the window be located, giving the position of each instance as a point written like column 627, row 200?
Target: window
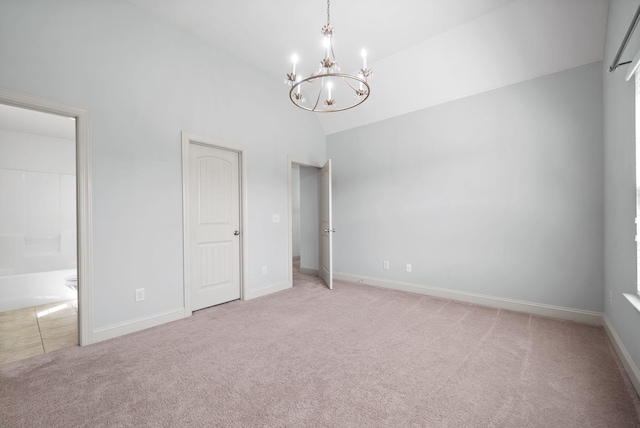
column 634, row 299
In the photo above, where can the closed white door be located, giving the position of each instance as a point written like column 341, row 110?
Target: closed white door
column 326, row 225
column 214, row 226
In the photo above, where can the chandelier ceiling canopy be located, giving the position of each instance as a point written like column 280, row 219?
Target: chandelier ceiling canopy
column 329, row 89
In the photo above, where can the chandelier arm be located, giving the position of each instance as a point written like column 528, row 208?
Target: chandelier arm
column 349, row 83
column 319, row 94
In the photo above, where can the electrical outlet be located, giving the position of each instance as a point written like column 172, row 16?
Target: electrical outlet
column 264, row 270
column 408, row 267
column 139, row 294
column 385, row 265
column 610, row 298
column 276, row 218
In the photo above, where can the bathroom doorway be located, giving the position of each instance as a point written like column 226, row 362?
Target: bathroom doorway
column 304, row 222
column 305, row 219
column 38, row 233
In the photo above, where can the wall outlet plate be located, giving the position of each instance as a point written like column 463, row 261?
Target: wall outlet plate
column 408, row 267
column 139, row 294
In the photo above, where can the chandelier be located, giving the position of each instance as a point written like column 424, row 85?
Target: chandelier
column 330, row 89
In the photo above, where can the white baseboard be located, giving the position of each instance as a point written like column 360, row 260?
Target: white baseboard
column 579, row 315
column 252, row 294
column 309, row 271
column 625, row 358
column 121, row 329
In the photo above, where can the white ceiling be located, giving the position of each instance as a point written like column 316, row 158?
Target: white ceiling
column 423, row 52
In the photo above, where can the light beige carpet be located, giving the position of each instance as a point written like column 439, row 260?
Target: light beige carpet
column 355, row 356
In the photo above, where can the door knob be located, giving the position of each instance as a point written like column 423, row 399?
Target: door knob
column 236, row 232
column 329, row 230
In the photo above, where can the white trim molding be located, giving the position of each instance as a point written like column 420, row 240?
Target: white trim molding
column 252, row 294
column 629, row 366
column 83, row 205
column 570, row 314
column 120, row 329
column 188, row 138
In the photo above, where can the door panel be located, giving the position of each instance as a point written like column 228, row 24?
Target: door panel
column 214, row 191
column 326, row 225
column 214, row 211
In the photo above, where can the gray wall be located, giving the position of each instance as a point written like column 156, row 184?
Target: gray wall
column 499, row 194
column 309, row 227
column 143, row 82
column 619, row 173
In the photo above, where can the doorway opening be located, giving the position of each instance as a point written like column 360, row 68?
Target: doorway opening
column 310, row 230
column 44, row 251
column 306, row 240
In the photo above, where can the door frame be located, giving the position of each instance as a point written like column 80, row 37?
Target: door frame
column 326, row 229
column 187, row 139
column 83, row 199
column 303, row 162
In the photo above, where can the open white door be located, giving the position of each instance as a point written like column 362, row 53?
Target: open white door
column 326, row 225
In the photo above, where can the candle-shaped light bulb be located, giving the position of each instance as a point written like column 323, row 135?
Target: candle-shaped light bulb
column 364, row 59
column 294, row 60
column 327, row 44
column 329, row 86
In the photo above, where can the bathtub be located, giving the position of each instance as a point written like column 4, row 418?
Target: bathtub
column 21, row 291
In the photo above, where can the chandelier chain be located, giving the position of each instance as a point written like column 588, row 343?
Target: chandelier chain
column 328, row 13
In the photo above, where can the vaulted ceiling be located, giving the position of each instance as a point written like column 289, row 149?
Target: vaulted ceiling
column 423, row 52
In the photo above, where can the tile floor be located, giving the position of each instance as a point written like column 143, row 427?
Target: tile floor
column 36, row 330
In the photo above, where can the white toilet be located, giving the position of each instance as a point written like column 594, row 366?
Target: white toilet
column 71, row 281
